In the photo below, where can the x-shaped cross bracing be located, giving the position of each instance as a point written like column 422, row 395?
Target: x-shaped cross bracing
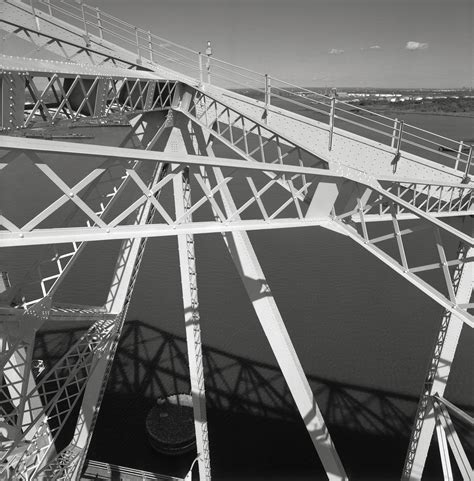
column 262, row 204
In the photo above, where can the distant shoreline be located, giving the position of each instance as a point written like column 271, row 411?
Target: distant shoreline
column 393, row 112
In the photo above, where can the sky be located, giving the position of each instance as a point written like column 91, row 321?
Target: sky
column 360, row 43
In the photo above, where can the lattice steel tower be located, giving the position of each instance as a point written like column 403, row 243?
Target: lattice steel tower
column 157, row 175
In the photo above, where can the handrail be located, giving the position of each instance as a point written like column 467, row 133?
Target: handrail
column 238, row 66
column 296, row 102
column 187, row 61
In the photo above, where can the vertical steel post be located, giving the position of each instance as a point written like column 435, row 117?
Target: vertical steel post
column 394, row 133
column 18, row 379
column 208, row 61
column 458, row 156
column 468, row 164
column 331, row 119
column 150, row 45
column 400, row 134
column 187, row 262
column 99, row 23
column 50, row 11
column 137, row 42
column 399, row 143
column 268, row 94
column 123, row 283
column 201, row 73
column 438, row 371
column 33, row 9
column 179, row 138
column 258, row 290
column 84, row 18
column 12, row 101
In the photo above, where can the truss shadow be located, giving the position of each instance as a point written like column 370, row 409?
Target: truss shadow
column 152, row 362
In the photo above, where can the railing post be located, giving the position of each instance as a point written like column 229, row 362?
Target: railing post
column 50, row 11
column 331, row 119
column 458, row 156
column 400, row 134
column 394, row 133
column 208, row 62
column 268, row 96
column 33, row 9
column 395, row 160
column 99, row 23
column 201, row 73
column 466, row 178
column 150, row 45
column 84, row 18
column 138, row 44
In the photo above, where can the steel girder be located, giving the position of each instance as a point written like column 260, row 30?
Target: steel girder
column 429, row 414
column 36, row 97
column 56, row 261
column 69, row 461
column 187, row 261
column 380, row 157
column 258, row 290
column 59, row 390
column 304, row 129
column 48, row 33
column 343, row 217
column 21, row 406
column 364, row 193
column 434, row 199
column 331, row 194
column 238, row 244
column 263, row 205
column 253, row 140
column 182, row 200
column 140, row 93
column 447, row 436
column 440, row 199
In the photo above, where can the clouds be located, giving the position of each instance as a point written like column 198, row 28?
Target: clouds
column 410, row 45
column 416, row 46
column 372, row 47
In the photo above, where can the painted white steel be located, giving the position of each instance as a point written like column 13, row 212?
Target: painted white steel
column 452, row 437
column 92, row 234
column 258, row 290
column 437, row 377
column 443, row 451
column 189, row 290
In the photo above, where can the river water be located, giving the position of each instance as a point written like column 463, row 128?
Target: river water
column 351, row 319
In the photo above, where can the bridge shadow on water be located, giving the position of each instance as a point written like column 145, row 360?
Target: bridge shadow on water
column 254, row 427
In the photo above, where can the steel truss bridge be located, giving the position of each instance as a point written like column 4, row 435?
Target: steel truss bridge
column 119, row 128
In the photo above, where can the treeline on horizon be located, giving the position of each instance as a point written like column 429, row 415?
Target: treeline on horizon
column 449, row 105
